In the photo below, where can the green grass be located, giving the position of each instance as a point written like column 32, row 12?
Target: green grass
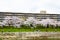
column 28, row 29
column 15, row 30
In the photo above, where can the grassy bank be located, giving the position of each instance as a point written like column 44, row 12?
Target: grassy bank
column 29, row 30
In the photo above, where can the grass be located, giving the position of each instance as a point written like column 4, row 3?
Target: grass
column 15, row 30
column 28, row 30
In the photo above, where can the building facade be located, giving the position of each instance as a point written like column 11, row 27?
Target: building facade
column 38, row 16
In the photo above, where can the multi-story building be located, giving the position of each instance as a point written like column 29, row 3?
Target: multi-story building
column 39, row 16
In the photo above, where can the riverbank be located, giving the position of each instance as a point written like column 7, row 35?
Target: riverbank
column 29, row 35
column 29, row 29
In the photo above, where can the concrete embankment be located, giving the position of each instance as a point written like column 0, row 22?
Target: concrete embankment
column 28, row 35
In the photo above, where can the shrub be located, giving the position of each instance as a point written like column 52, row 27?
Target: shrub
column 25, row 26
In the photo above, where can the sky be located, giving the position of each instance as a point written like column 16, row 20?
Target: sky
column 30, row 6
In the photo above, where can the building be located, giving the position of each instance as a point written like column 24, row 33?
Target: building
column 39, row 16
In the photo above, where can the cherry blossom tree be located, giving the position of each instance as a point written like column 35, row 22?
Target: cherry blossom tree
column 31, row 21
column 58, row 23
column 12, row 21
column 48, row 21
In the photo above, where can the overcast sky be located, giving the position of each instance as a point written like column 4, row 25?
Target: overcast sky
column 51, row 6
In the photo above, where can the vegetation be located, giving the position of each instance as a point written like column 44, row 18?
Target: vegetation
column 24, row 28
column 16, row 24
